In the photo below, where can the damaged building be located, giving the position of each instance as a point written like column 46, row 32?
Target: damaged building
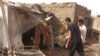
column 95, row 27
column 36, row 25
column 28, row 26
column 70, row 9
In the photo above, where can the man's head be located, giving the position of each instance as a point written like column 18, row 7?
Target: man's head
column 67, row 20
column 80, row 22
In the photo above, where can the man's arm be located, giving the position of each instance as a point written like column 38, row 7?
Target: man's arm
column 69, row 39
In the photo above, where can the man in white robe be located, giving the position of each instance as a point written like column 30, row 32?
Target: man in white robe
column 83, row 31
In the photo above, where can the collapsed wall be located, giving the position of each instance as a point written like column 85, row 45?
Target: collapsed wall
column 61, row 11
column 24, row 17
column 70, row 9
column 96, row 27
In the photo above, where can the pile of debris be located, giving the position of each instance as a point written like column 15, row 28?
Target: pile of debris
column 24, row 19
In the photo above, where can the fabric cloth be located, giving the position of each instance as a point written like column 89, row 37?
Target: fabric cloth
column 83, row 31
column 3, row 35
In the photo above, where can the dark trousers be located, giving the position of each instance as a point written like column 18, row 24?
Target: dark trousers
column 76, row 46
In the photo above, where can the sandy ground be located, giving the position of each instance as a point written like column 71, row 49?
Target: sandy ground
column 91, row 49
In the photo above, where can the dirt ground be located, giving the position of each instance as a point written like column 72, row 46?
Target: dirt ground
column 91, row 49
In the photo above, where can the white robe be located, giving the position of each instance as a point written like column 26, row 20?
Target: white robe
column 83, row 31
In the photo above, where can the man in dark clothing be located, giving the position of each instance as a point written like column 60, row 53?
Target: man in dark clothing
column 74, row 42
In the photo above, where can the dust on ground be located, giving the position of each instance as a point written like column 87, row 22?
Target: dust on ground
column 91, row 49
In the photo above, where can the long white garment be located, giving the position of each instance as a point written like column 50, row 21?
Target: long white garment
column 83, row 31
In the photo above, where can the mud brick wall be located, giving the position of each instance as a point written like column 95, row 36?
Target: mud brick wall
column 61, row 11
column 96, row 27
column 70, row 9
column 82, row 12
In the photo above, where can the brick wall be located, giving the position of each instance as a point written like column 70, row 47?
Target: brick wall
column 63, row 10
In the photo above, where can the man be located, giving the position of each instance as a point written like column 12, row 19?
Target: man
column 83, row 30
column 74, row 42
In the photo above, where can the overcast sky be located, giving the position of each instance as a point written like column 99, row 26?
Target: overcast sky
column 93, row 5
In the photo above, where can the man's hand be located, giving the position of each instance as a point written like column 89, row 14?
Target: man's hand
column 68, row 39
column 66, row 46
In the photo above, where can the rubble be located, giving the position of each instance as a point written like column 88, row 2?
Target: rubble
column 27, row 19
